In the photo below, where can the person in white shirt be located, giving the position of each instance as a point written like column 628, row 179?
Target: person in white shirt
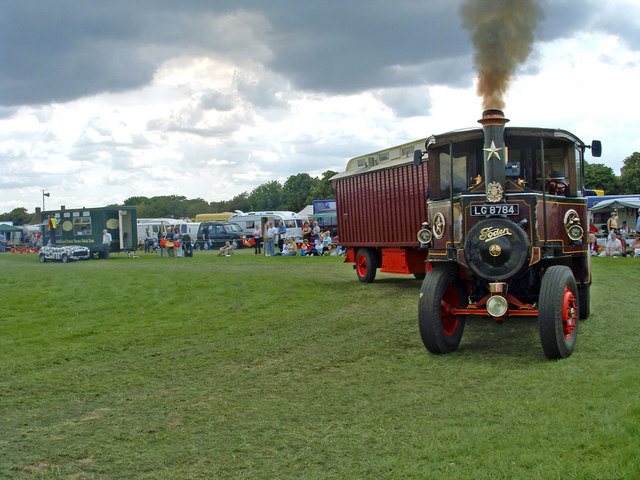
column 613, row 247
column 106, row 243
column 272, row 232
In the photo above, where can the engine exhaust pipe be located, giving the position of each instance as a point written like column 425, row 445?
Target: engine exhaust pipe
column 495, row 155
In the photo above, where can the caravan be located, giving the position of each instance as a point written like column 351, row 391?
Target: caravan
column 156, row 225
column 84, row 226
column 248, row 221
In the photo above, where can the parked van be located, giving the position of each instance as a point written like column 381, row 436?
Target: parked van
column 248, row 221
column 156, row 225
column 218, row 233
column 213, row 217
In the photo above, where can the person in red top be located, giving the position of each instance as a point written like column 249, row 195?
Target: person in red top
column 593, row 243
column 305, row 248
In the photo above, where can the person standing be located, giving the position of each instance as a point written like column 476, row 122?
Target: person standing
column 306, row 232
column 272, row 233
column 187, row 245
column 612, row 223
column 315, row 232
column 282, row 230
column 106, row 243
column 177, row 238
column 53, row 224
column 638, row 222
column 257, row 238
column 206, row 237
column 148, row 240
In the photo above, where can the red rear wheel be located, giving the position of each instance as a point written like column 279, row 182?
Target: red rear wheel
column 366, row 265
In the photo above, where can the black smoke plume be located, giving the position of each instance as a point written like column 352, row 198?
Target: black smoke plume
column 502, row 32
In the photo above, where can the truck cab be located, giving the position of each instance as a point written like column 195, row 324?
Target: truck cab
column 505, row 232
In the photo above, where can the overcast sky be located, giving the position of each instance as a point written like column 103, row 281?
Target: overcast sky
column 101, row 101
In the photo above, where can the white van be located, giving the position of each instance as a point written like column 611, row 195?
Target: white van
column 162, row 224
column 248, row 221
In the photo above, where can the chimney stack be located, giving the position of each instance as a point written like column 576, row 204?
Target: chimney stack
column 495, row 155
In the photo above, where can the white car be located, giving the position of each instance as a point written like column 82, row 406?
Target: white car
column 64, row 253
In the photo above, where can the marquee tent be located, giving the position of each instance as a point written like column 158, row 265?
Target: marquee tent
column 615, row 203
column 6, row 228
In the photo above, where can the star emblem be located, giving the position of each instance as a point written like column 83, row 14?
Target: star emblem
column 493, row 151
column 439, row 224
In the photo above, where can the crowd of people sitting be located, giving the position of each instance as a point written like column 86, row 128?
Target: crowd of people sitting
column 615, row 243
column 314, row 242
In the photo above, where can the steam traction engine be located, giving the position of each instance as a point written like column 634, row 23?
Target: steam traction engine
column 505, row 232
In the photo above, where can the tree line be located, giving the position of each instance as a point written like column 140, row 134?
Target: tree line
column 301, row 189
column 297, row 192
column 599, row 176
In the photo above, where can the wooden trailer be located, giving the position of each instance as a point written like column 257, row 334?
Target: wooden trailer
column 381, row 204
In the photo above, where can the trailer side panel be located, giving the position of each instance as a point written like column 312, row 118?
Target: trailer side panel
column 382, row 207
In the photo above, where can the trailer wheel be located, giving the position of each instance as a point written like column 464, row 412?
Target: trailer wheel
column 64, row 258
column 441, row 331
column 584, row 297
column 42, row 258
column 366, row 265
column 558, row 312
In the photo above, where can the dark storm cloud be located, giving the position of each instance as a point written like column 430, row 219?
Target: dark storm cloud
column 60, row 50
column 352, row 46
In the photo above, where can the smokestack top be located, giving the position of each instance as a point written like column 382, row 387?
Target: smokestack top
column 493, row 117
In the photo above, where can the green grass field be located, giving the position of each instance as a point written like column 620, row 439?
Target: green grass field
column 250, row 367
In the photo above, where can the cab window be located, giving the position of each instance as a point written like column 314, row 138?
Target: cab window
column 459, row 173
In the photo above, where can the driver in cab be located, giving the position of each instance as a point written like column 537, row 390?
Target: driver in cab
column 554, row 179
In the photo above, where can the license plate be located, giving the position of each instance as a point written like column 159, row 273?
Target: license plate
column 498, row 209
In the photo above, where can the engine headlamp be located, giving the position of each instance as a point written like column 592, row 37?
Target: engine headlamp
column 497, row 306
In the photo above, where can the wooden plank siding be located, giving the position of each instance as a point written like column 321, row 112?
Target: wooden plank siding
column 382, row 207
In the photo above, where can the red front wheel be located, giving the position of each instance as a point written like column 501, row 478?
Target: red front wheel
column 440, row 329
column 558, row 312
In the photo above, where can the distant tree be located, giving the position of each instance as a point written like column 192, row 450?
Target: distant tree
column 322, row 189
column 267, row 196
column 173, row 206
column 135, row 201
column 630, row 174
column 296, row 190
column 190, row 208
column 239, row 202
column 599, row 176
column 19, row 216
